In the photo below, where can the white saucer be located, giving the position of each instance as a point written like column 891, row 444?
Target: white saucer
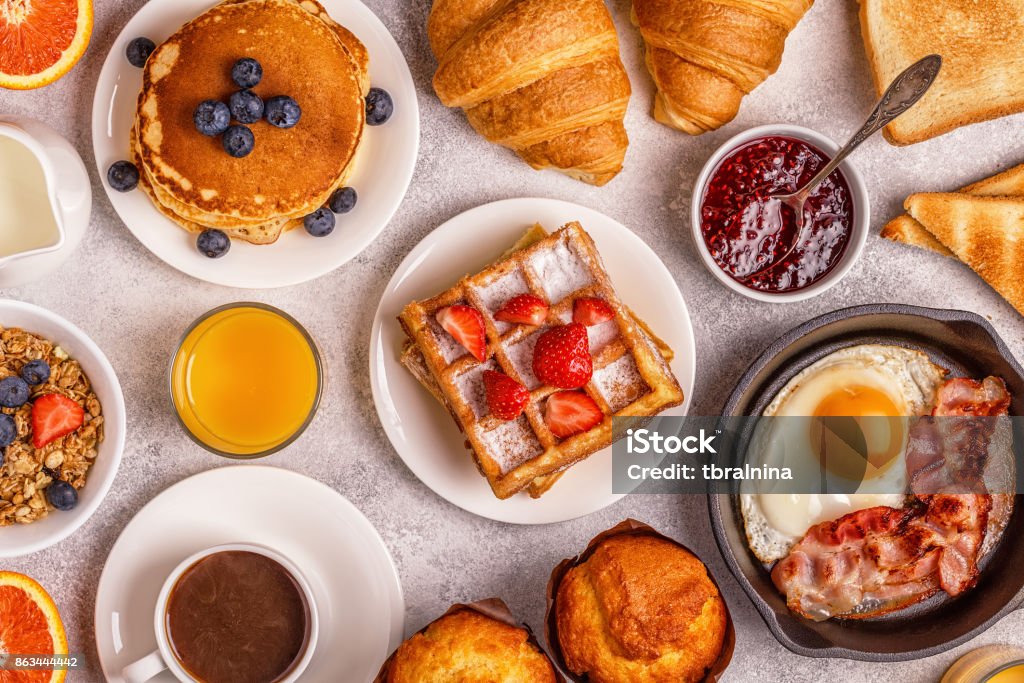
column 357, row 589
column 387, row 156
column 423, row 432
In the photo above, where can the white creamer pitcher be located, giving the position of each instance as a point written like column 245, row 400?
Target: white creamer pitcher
column 45, row 200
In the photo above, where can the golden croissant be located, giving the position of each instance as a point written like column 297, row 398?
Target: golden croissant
column 705, row 56
column 541, row 77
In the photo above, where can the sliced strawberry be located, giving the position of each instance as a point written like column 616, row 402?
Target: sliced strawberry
column 591, row 311
column 54, row 416
column 525, row 309
column 467, row 326
column 505, row 396
column 571, row 412
column 562, row 357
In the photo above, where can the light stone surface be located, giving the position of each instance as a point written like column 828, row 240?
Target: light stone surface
column 135, row 307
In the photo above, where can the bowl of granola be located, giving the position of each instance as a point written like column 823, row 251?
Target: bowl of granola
column 62, row 428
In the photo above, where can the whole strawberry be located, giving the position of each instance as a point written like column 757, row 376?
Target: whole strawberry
column 505, row 397
column 562, row 357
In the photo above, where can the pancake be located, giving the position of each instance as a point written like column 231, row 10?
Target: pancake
column 265, row 233
column 290, row 172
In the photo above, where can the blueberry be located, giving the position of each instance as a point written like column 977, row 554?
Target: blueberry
column 212, row 117
column 246, row 106
column 8, row 431
column 139, row 50
column 247, row 73
column 61, row 495
column 123, row 176
column 343, row 200
column 35, row 371
column 213, row 243
column 320, row 223
column 238, row 141
column 282, row 111
column 379, row 107
column 13, row 392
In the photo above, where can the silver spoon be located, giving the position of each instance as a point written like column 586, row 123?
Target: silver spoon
column 901, row 95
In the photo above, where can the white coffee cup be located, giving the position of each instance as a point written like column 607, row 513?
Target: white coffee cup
column 163, row 659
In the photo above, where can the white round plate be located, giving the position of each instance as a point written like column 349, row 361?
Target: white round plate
column 423, row 432
column 354, row 581
column 387, row 156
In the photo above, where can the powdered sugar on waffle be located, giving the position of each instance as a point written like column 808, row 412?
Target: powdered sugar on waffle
column 561, row 271
column 512, row 443
column 496, row 294
column 450, row 349
column 521, row 356
column 620, row 383
column 471, row 387
column 598, row 336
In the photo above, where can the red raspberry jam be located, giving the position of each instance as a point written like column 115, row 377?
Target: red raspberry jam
column 745, row 236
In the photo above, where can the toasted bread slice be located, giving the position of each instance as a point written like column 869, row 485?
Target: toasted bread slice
column 986, row 233
column 982, row 74
column 905, row 229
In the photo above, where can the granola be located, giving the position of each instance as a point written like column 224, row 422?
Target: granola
column 27, row 471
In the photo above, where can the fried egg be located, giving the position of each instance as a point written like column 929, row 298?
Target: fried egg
column 844, row 435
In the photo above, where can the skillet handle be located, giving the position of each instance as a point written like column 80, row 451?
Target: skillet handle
column 1018, row 601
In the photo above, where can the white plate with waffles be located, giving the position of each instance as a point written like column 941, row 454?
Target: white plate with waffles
column 421, row 429
column 387, row 157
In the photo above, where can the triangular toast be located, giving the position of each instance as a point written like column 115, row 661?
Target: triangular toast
column 907, row 230
column 986, row 233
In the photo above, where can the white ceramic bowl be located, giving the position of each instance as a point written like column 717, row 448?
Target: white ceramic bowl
column 19, row 539
column 861, row 213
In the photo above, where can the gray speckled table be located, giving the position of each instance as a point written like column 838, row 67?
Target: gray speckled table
column 444, row 554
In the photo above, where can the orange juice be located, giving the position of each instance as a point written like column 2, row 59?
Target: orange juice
column 988, row 664
column 1013, row 674
column 245, row 380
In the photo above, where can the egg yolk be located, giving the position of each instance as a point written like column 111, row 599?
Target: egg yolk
column 859, row 433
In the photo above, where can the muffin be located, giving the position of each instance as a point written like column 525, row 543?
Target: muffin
column 638, row 607
column 467, row 645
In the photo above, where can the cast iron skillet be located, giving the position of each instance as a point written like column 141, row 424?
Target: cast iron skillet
column 968, row 346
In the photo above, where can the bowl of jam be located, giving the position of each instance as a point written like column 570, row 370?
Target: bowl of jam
column 751, row 242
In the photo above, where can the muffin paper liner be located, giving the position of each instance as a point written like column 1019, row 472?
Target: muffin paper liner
column 496, row 609
column 628, row 527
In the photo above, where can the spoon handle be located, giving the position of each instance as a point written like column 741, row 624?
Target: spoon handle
column 901, row 95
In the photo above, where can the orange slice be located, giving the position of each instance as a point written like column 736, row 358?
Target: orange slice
column 29, row 625
column 40, row 40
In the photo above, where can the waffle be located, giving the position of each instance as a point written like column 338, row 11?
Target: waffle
column 631, row 376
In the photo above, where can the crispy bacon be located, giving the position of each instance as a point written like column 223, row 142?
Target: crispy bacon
column 962, row 396
column 874, row 561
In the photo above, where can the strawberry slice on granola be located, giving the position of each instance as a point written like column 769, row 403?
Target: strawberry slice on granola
column 54, row 416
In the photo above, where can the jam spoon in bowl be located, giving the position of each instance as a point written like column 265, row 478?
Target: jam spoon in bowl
column 909, row 87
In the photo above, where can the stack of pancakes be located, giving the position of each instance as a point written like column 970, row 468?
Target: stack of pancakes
column 291, row 172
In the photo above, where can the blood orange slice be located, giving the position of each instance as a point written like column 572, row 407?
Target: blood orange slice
column 29, row 625
column 40, row 40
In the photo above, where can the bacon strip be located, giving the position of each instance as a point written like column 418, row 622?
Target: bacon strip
column 877, row 560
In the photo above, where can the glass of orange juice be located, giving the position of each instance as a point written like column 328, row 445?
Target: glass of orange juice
column 245, row 380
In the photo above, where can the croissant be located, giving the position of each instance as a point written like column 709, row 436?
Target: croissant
column 541, row 77
column 704, row 56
